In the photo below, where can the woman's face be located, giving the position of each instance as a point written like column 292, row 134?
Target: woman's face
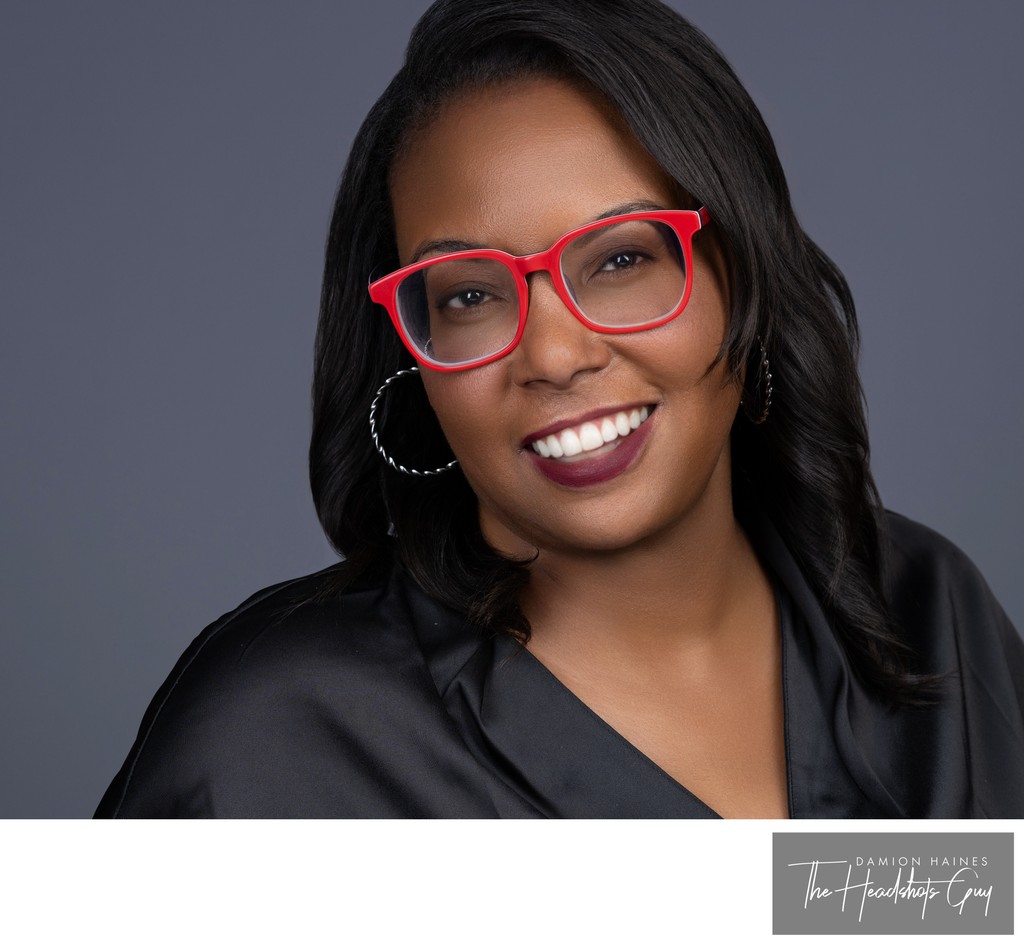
column 512, row 168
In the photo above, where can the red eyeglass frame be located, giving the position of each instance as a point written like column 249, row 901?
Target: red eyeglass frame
column 685, row 223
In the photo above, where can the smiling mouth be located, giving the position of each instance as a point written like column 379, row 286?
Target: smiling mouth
column 591, row 438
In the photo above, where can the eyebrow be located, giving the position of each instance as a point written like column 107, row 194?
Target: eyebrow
column 437, row 247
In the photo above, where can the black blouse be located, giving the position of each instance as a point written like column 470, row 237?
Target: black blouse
column 382, row 703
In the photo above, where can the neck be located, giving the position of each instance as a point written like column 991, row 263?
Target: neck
column 685, row 589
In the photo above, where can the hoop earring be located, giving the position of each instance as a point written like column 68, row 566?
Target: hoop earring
column 767, row 399
column 398, row 467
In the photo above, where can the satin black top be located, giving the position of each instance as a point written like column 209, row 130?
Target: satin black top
column 382, row 703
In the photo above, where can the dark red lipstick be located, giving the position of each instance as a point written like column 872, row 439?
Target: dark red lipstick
column 580, row 473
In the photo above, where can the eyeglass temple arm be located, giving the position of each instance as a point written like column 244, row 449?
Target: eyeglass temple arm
column 705, row 216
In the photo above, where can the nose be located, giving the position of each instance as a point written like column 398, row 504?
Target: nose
column 556, row 348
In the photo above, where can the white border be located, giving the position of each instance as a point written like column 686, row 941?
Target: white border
column 396, row 881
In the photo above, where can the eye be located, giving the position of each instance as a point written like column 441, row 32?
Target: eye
column 621, row 260
column 467, row 299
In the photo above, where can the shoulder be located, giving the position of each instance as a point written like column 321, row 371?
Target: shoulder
column 912, row 542
column 952, row 620
column 285, row 632
column 935, row 589
column 919, row 561
column 292, row 673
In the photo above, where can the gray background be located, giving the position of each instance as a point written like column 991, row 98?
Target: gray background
column 167, row 174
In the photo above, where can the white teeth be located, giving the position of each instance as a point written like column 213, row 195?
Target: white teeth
column 571, row 445
column 591, row 435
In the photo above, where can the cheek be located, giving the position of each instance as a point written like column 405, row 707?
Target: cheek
column 703, row 328
column 469, row 408
column 678, row 355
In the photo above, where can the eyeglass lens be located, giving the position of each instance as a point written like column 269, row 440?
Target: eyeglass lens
column 623, row 275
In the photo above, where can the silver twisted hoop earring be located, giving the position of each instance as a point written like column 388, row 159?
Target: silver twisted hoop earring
column 760, row 418
column 376, row 436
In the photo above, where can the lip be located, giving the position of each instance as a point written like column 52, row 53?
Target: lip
column 582, row 473
column 560, row 425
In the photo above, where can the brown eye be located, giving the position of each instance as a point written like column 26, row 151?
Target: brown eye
column 468, row 299
column 621, row 261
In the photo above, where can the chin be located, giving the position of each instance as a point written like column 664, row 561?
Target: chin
column 608, row 539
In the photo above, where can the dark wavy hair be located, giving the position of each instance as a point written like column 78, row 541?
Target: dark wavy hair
column 807, row 466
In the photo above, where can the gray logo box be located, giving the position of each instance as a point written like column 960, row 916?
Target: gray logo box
column 892, row 883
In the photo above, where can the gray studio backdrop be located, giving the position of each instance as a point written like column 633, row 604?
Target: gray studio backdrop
column 167, row 174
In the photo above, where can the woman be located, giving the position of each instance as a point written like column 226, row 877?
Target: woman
column 613, row 548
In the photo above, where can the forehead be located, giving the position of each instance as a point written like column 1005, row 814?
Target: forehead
column 516, row 165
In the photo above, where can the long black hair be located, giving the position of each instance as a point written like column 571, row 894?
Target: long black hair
column 807, row 466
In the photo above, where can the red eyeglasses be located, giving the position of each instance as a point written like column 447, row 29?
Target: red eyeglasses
column 624, row 273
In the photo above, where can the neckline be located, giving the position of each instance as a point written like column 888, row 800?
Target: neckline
column 525, row 727
column 507, row 651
